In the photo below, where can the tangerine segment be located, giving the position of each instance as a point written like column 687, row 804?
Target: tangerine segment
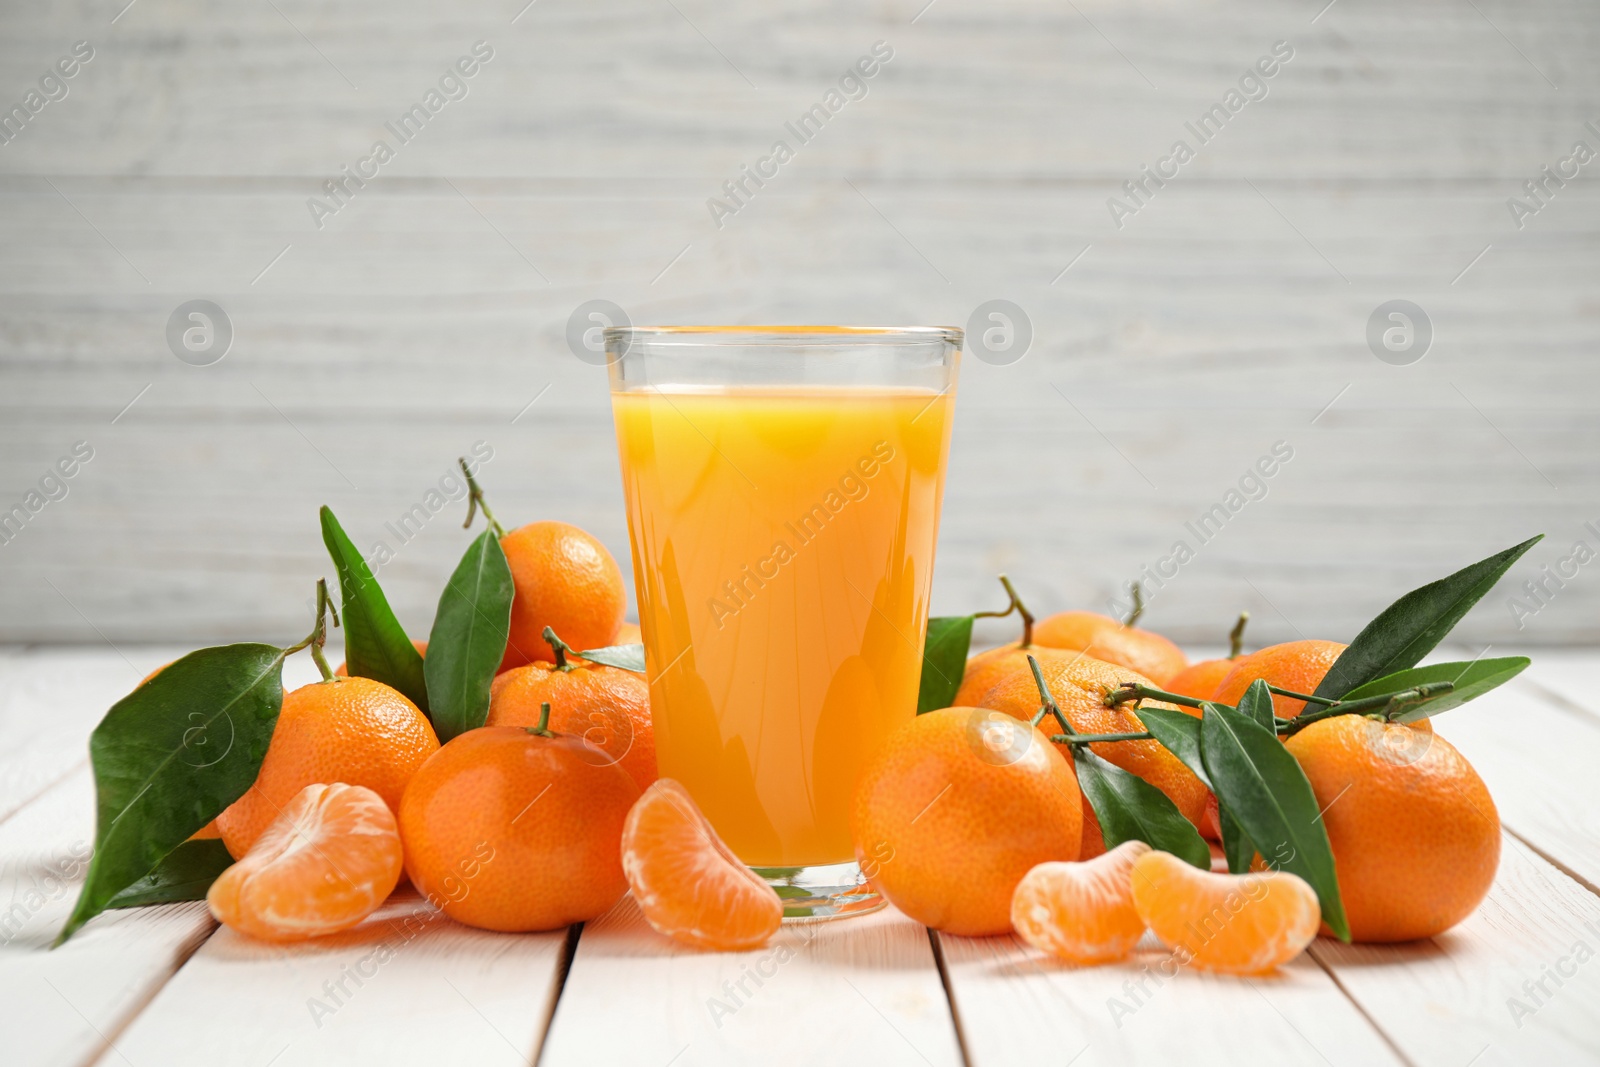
column 324, row 865
column 689, row 885
column 1238, row 923
column 1081, row 912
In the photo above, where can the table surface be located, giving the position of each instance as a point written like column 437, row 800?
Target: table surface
column 166, row 986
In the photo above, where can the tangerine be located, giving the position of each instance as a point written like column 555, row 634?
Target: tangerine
column 1081, row 912
column 955, row 808
column 607, row 706
column 323, row 865
column 564, row 579
column 1415, row 834
column 1079, row 686
column 690, row 886
column 1296, row 665
column 1237, row 923
column 352, row 730
column 1106, row 639
column 510, row 828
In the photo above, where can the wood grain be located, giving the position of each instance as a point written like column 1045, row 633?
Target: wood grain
column 865, row 990
column 1229, row 313
column 406, row 986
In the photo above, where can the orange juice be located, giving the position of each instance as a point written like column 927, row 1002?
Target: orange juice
column 783, row 543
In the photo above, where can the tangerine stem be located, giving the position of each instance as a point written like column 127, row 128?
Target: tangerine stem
column 1134, row 691
column 561, row 647
column 475, row 500
column 1016, row 605
column 1090, row 739
column 1236, row 636
column 1309, row 698
column 1138, row 604
column 1390, row 704
column 1044, row 695
column 319, row 633
column 543, row 729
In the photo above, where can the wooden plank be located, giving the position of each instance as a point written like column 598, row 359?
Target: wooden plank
column 406, row 986
column 1515, row 983
column 863, row 990
column 1538, row 760
column 1017, row 1006
column 1569, row 677
column 66, row 1006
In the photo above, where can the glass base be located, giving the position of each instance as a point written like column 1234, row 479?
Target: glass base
column 831, row 891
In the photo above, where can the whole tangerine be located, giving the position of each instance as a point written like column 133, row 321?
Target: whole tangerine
column 564, row 579
column 351, row 730
column 1415, row 834
column 955, row 808
column 1106, row 639
column 509, row 828
column 1294, row 665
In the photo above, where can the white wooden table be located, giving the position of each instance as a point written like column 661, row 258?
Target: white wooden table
column 165, row 986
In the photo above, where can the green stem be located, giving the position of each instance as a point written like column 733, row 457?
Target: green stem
column 1138, row 604
column 1391, row 704
column 543, row 729
column 1236, row 636
column 475, row 501
column 1134, row 691
column 561, row 647
column 319, row 633
column 1016, row 605
column 1091, row 739
column 1044, row 695
column 1309, row 698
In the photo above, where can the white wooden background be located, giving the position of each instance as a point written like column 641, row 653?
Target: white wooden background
column 1228, row 314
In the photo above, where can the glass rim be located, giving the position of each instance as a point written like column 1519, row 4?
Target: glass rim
column 778, row 336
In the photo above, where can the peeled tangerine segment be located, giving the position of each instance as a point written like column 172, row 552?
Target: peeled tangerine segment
column 689, row 885
column 324, row 864
column 1238, row 923
column 1081, row 912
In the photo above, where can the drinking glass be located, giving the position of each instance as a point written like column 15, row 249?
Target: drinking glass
column 783, row 486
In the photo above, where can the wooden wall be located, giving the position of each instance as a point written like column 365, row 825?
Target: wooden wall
column 1225, row 316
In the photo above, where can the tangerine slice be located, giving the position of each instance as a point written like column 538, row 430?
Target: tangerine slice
column 1238, row 923
column 1081, row 912
column 323, row 865
column 689, row 885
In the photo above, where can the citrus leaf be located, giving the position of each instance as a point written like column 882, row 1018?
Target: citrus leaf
column 944, row 660
column 627, row 657
column 169, row 756
column 1180, row 734
column 375, row 645
column 468, row 640
column 185, row 874
column 1257, row 703
column 1131, row 809
column 1266, row 792
column 1471, row 680
column 1408, row 629
column 1237, row 848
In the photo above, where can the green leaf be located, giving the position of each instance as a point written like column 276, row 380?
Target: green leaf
column 469, row 638
column 1257, row 703
column 1264, row 789
column 627, row 657
column 375, row 645
column 185, row 874
column 1130, row 808
column 1180, row 734
column 944, row 661
column 1237, row 847
column 1408, row 629
column 172, row 754
column 1471, row 680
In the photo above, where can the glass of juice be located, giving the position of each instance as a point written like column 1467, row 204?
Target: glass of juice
column 783, row 487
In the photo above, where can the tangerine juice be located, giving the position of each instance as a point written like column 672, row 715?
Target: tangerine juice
column 783, row 543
